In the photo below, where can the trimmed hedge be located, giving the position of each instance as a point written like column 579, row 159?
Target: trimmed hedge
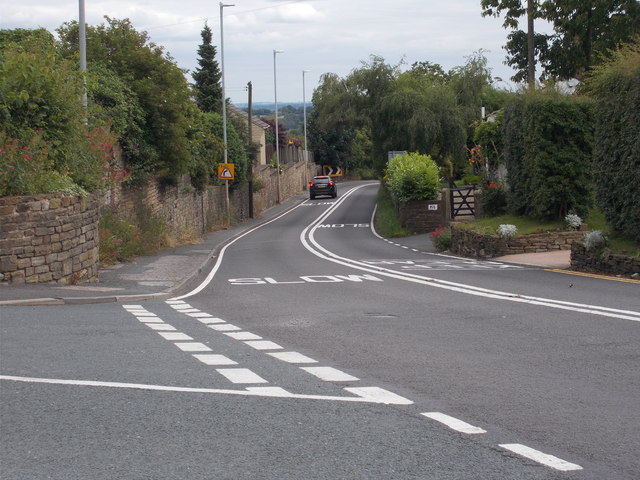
column 616, row 162
column 548, row 147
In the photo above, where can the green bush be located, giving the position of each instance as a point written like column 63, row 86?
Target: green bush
column 494, row 199
column 413, row 177
column 616, row 161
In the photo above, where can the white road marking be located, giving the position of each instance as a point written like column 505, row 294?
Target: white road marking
column 379, row 395
column 241, row 375
column 192, row 347
column 211, row 320
column 181, row 306
column 263, row 345
column 543, row 458
column 153, row 319
column 174, row 336
column 292, row 357
column 227, row 327
column 174, row 302
column 189, row 310
column 199, row 315
column 142, row 313
column 243, row 336
column 133, row 307
column 214, row 359
column 161, row 327
column 330, row 374
column 454, row 423
column 270, row 391
column 388, row 399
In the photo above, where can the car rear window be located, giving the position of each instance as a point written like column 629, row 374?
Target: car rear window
column 321, row 180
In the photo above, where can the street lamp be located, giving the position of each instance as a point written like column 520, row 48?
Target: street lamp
column 224, row 109
column 304, row 116
column 275, row 94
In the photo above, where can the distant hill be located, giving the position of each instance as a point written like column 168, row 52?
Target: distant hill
column 293, row 113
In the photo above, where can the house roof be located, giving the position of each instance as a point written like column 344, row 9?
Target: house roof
column 255, row 120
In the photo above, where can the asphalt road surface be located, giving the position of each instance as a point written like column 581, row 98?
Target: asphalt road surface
column 314, row 349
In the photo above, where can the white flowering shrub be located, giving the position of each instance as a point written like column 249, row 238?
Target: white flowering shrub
column 573, row 221
column 507, row 230
column 594, row 240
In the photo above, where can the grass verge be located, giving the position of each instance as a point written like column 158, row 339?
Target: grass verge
column 387, row 220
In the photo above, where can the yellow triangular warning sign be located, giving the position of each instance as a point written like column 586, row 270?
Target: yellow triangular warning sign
column 226, row 174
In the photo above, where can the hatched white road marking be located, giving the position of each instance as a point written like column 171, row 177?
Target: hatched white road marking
column 211, row 320
column 200, row 315
column 150, row 319
column 241, row 375
column 214, row 359
column 192, row 347
column 543, row 458
column 454, row 423
column 330, row 374
column 292, row 357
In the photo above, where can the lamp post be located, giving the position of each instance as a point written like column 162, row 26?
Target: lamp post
column 275, row 95
column 224, row 110
column 304, row 116
column 82, row 24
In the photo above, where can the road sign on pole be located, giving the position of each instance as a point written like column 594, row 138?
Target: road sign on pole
column 226, row 171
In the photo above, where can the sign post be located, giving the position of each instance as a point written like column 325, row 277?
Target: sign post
column 226, row 172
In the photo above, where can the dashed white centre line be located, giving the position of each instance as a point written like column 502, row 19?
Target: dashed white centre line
column 454, row 423
column 161, row 327
column 241, row 375
column 292, row 357
column 243, row 336
column 330, row 374
column 263, row 345
column 214, row 359
column 192, row 347
column 175, row 336
column 543, row 458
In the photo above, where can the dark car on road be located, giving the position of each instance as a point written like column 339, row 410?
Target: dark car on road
column 322, row 185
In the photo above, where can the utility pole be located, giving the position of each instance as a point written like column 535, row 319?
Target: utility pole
column 249, row 147
column 531, row 45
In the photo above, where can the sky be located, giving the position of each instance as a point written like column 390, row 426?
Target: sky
column 320, row 36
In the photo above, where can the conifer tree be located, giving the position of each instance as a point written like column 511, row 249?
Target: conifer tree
column 207, row 77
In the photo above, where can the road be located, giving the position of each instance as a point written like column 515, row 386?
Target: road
column 316, row 349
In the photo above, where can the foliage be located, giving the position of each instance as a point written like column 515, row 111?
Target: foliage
column 121, row 241
column 413, row 177
column 208, row 89
column 236, row 151
column 583, row 32
column 494, row 199
column 594, row 240
column 506, row 230
column 387, row 218
column 573, row 221
column 441, row 237
column 548, row 147
column 615, row 85
column 206, row 148
column 159, row 85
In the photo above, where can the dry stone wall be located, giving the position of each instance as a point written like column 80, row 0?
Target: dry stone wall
column 581, row 259
column 476, row 245
column 48, row 238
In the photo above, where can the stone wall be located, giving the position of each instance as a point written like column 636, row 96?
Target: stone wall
column 424, row 216
column 608, row 263
column 476, row 245
column 48, row 238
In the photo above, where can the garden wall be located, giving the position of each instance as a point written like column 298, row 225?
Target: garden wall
column 424, row 216
column 581, row 259
column 48, row 238
column 54, row 238
column 476, row 245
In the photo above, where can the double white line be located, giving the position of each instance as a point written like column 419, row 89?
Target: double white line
column 307, row 237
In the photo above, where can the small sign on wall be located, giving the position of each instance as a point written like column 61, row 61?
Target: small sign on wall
column 433, row 206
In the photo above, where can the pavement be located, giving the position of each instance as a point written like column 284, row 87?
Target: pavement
column 171, row 271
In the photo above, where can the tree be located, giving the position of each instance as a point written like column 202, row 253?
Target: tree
column 516, row 9
column 207, row 76
column 159, row 85
column 584, row 31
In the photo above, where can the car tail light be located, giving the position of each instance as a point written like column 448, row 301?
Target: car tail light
column 311, row 184
column 331, row 184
